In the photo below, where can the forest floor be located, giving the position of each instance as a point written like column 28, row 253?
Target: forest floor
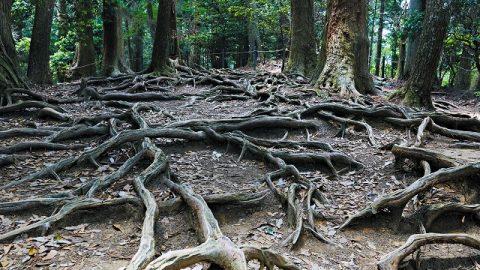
column 108, row 237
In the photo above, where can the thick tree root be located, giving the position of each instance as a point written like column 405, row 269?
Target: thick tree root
column 394, row 203
column 392, row 260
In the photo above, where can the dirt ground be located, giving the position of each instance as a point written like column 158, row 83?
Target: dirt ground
column 108, row 238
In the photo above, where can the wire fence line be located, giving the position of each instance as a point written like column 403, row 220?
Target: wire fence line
column 215, row 53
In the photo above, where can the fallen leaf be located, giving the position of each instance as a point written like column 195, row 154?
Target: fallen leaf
column 32, row 251
column 50, row 255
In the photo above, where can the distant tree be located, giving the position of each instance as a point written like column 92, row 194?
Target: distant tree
column 163, row 37
column 113, row 44
column 39, row 57
column 417, row 91
column 345, row 66
column 378, row 54
column 84, row 64
column 302, row 58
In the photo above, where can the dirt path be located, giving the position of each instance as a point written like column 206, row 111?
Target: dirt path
column 108, row 237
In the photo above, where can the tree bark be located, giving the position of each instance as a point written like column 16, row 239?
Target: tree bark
column 38, row 59
column 302, row 48
column 417, row 92
column 378, row 54
column 345, row 69
column 464, row 73
column 6, row 31
column 84, row 64
column 113, row 44
column 9, row 76
column 415, row 6
column 401, row 59
column 372, row 32
column 163, row 37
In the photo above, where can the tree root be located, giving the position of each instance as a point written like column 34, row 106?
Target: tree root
column 392, row 260
column 394, row 203
column 435, row 159
column 32, row 146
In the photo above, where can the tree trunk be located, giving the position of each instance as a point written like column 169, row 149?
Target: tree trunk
column 129, row 42
column 150, row 19
column 401, row 59
column 9, row 76
column 113, row 47
column 253, row 36
column 417, row 92
column 163, row 36
column 137, row 64
column 346, row 49
column 378, row 54
column 38, row 59
column 372, row 33
column 63, row 19
column 6, row 31
column 415, row 6
column 175, row 47
column 464, row 73
column 302, row 48
column 84, row 64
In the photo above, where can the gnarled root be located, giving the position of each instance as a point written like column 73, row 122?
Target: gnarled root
column 392, row 260
column 395, row 202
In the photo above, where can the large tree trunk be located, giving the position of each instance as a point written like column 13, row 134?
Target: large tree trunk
column 302, row 48
column 464, row 74
column 345, row 69
column 38, row 59
column 113, row 46
column 163, row 37
column 378, row 54
column 6, row 31
column 84, row 64
column 9, row 76
column 417, row 92
column 415, row 7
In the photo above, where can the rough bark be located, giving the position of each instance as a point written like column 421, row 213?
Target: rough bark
column 346, row 47
column 417, row 91
column 414, row 6
column 302, row 48
column 401, row 59
column 378, row 54
column 6, row 31
column 38, row 59
column 84, row 64
column 113, row 47
column 372, row 33
column 161, row 44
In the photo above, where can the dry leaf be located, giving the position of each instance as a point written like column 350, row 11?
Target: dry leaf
column 32, row 251
column 50, row 255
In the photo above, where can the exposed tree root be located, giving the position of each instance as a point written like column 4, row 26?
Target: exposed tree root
column 394, row 203
column 127, row 128
column 435, row 159
column 392, row 260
